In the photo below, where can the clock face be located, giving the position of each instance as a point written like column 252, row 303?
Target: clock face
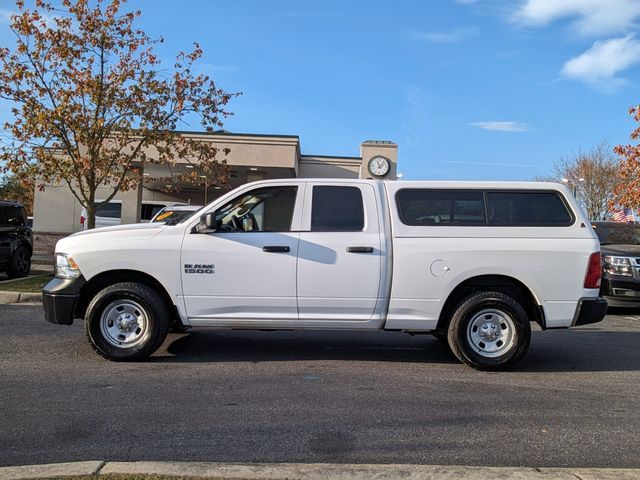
column 379, row 166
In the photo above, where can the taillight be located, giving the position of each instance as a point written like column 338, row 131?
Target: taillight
column 594, row 272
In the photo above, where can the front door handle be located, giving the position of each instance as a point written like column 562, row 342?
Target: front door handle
column 360, row 249
column 276, row 249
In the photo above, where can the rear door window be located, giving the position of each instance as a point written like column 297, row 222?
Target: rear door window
column 337, row 209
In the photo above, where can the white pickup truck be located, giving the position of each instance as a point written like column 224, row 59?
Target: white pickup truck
column 472, row 263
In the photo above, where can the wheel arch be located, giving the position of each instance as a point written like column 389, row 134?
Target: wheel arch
column 104, row 279
column 499, row 283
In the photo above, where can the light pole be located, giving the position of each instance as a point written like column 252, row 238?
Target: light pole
column 574, row 185
column 206, row 187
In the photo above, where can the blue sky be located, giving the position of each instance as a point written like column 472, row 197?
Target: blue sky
column 469, row 89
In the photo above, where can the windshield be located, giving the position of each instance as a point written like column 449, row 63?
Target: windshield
column 174, row 217
column 622, row 234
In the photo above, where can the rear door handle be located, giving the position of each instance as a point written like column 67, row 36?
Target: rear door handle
column 360, row 249
column 276, row 249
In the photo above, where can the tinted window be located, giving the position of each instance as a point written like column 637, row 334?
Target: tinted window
column 110, row 210
column 173, row 217
column 441, row 207
column 337, row 209
column 14, row 216
column 620, row 234
column 262, row 210
column 148, row 211
column 527, row 209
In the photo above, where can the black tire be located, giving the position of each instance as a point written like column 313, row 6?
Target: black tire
column 489, row 331
column 127, row 321
column 20, row 263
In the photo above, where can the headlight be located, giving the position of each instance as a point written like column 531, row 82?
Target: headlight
column 617, row 266
column 66, row 267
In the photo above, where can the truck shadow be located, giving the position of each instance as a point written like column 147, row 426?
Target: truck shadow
column 218, row 346
column 581, row 349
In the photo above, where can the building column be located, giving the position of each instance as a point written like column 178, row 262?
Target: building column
column 132, row 200
column 382, row 148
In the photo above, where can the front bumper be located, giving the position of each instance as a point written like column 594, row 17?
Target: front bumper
column 621, row 291
column 59, row 298
column 590, row 310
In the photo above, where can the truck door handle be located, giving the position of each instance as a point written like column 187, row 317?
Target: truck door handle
column 276, row 249
column 360, row 249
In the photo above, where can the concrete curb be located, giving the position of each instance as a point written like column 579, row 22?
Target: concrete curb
column 314, row 471
column 50, row 470
column 7, row 297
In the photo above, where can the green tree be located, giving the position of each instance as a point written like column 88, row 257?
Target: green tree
column 17, row 190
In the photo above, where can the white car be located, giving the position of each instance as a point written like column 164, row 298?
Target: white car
column 304, row 254
column 111, row 213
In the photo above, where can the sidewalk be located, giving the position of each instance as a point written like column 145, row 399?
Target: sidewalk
column 317, row 471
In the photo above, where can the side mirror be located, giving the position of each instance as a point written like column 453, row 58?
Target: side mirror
column 207, row 223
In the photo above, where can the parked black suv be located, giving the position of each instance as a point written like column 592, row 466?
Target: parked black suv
column 16, row 240
column 620, row 247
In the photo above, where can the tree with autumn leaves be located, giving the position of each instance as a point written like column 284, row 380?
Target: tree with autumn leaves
column 627, row 191
column 90, row 100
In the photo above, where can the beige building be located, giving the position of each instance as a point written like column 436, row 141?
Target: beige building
column 252, row 157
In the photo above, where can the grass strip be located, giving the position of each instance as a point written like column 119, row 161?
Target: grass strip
column 32, row 284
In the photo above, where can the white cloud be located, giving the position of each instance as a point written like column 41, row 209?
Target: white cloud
column 492, row 164
column 5, row 16
column 588, row 17
column 600, row 65
column 451, row 36
column 502, row 126
column 215, row 69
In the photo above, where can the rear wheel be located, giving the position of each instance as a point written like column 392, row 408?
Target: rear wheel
column 19, row 263
column 489, row 331
column 126, row 321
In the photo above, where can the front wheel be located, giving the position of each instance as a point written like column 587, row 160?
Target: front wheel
column 127, row 321
column 19, row 263
column 489, row 331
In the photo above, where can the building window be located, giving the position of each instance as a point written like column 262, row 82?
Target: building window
column 110, row 210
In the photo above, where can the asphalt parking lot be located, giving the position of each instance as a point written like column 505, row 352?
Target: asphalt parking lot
column 339, row 397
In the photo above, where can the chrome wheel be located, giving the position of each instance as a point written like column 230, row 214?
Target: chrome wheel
column 124, row 323
column 491, row 333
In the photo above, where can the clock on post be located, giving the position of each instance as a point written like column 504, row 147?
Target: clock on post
column 379, row 166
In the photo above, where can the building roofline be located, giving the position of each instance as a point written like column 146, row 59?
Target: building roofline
column 331, row 156
column 233, row 134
